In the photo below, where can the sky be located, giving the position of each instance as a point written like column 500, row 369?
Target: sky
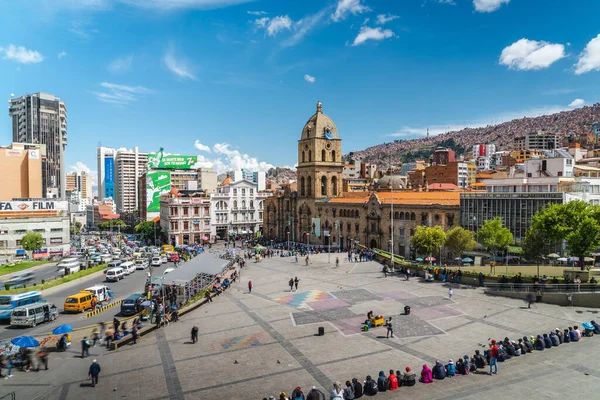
column 234, row 81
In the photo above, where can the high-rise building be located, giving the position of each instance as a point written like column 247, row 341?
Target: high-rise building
column 106, row 173
column 258, row 178
column 24, row 161
column 41, row 118
column 81, row 182
column 443, row 155
column 129, row 166
column 539, row 140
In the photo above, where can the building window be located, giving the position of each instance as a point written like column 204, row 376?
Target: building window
column 302, row 186
column 40, row 230
column 323, row 186
column 174, row 225
column 334, row 189
column 251, row 204
column 56, row 230
column 196, row 210
column 174, row 211
column 186, row 226
column 235, row 204
column 20, row 231
column 3, row 244
column 251, row 192
column 185, row 211
column 309, row 155
column 309, row 186
column 243, row 192
column 323, row 155
column 357, row 227
column 243, row 204
column 333, row 155
column 303, row 160
column 235, row 192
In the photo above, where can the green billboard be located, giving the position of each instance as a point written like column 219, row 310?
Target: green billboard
column 159, row 160
column 157, row 184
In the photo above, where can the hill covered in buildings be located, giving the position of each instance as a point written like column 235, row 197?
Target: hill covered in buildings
column 577, row 122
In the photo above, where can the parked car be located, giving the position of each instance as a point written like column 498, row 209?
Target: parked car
column 33, row 314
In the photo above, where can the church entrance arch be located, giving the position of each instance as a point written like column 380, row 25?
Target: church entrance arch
column 373, row 243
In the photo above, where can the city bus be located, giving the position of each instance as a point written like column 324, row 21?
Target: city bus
column 9, row 302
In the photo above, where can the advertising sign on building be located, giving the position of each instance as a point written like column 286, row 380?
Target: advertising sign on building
column 157, row 183
column 159, row 160
column 109, row 178
column 28, row 206
column 316, row 227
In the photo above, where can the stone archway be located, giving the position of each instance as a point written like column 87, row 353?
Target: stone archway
column 373, row 244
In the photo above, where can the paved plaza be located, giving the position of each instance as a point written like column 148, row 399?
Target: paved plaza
column 255, row 345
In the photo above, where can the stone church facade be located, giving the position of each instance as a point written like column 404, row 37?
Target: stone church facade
column 320, row 213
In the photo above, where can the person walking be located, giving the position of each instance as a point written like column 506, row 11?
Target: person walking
column 249, row 286
column 450, row 293
column 94, row 372
column 296, row 280
column 390, row 328
column 306, row 259
column 134, row 334
column 85, row 347
column 43, row 356
column 291, row 284
column 194, row 334
column 385, row 271
column 337, row 262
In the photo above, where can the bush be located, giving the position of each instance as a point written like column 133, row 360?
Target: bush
column 43, row 281
column 7, row 286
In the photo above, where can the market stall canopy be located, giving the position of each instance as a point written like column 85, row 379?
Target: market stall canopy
column 25, row 341
column 59, row 330
column 553, row 255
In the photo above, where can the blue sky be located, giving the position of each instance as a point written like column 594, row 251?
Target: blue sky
column 235, row 80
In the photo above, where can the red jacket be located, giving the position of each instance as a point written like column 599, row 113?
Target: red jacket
column 393, row 379
column 494, row 351
column 249, row 284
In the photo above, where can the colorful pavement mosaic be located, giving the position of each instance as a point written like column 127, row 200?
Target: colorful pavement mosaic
column 300, row 300
column 242, row 342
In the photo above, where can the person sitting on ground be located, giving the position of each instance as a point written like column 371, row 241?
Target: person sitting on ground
column 450, row 369
column 555, row 339
column 358, row 388
column 527, row 344
column 510, row 349
column 297, row 394
column 336, row 392
column 370, row 388
column 283, row 396
column 460, row 367
column 382, row 382
column 392, row 380
column 560, row 336
column 478, row 360
column 468, row 363
column 438, row 371
column 573, row 335
column 539, row 343
column 566, row 336
column 576, row 329
column 315, row 394
column 426, row 375
column 596, row 327
column 348, row 391
column 522, row 346
column 408, row 378
column 502, row 354
column 547, row 341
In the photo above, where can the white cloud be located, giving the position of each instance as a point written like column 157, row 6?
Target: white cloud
column 226, row 159
column 486, row 6
column 120, row 94
column 61, row 54
column 589, row 59
column 21, row 55
column 367, row 33
column 309, row 79
column 121, row 64
column 81, row 29
column 201, row 146
column 385, row 18
column 80, row 167
column 304, row 26
column 345, row 7
column 412, row 132
column 178, row 66
column 451, row 2
column 257, row 12
column 577, row 103
column 526, row 54
column 274, row 25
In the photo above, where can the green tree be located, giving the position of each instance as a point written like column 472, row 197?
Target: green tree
column 147, row 229
column 459, row 240
column 577, row 222
column 494, row 236
column 115, row 224
column 428, row 240
column 32, row 241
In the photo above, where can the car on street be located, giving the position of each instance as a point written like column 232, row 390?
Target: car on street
column 141, row 264
column 33, row 314
column 156, row 261
column 164, row 259
column 174, row 257
column 128, row 267
column 114, row 274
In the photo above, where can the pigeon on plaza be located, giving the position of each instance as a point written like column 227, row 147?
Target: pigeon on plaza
column 278, row 362
column 235, row 362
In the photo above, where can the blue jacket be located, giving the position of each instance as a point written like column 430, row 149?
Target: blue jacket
column 438, row 371
column 451, row 369
column 573, row 335
column 94, row 369
column 547, row 342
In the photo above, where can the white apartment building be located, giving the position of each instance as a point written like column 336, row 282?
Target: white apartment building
column 77, row 203
column 548, row 167
column 483, row 150
column 185, row 219
column 106, row 173
column 484, row 163
column 236, row 208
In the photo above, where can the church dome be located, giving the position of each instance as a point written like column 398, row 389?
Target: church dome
column 319, row 126
column 398, row 182
column 227, row 180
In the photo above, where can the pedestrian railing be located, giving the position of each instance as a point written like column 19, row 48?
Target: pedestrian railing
column 544, row 287
column 11, row 396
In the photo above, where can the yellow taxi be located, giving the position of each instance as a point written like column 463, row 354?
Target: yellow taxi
column 79, row 302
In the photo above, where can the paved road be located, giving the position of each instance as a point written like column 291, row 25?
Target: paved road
column 44, row 271
column 131, row 284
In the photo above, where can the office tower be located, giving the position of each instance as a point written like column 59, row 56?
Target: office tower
column 82, row 182
column 129, row 166
column 41, row 118
column 106, row 173
column 24, row 161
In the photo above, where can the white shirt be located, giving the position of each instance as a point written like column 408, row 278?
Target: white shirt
column 335, row 395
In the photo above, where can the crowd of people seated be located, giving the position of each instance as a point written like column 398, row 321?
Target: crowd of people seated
column 499, row 351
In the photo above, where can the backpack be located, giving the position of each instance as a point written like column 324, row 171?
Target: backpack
column 348, row 393
column 384, row 385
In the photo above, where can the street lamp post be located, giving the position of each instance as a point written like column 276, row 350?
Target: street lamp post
column 392, row 220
